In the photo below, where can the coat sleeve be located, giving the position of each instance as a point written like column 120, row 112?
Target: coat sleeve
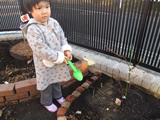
column 63, row 39
column 40, row 48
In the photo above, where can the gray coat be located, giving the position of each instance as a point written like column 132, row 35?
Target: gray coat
column 47, row 42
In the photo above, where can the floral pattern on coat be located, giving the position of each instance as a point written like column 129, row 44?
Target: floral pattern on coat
column 46, row 41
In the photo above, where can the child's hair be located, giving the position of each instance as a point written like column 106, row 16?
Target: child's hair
column 28, row 4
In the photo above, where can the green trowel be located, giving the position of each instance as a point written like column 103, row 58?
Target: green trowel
column 76, row 72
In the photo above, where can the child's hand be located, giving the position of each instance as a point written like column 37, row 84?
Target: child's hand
column 68, row 56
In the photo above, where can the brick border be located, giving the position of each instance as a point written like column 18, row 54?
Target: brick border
column 146, row 79
column 25, row 90
column 75, row 94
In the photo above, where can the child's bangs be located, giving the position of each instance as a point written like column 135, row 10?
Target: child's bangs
column 28, row 4
column 37, row 1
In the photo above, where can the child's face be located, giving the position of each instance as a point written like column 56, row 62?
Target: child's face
column 41, row 12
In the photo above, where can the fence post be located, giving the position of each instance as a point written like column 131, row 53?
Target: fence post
column 146, row 10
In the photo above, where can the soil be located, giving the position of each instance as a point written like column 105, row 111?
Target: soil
column 13, row 70
column 97, row 106
column 22, row 48
column 95, row 103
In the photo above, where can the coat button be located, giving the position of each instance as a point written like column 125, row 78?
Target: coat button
column 48, row 27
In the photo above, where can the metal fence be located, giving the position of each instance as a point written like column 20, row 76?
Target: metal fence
column 9, row 15
column 95, row 24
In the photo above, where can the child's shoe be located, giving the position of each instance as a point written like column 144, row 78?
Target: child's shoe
column 61, row 100
column 51, row 108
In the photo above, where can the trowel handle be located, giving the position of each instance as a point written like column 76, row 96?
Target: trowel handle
column 71, row 65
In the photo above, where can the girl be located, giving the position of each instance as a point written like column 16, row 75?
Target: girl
column 49, row 45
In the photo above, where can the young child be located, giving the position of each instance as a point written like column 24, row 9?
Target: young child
column 49, row 45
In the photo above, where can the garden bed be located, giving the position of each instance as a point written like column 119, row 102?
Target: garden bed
column 13, row 70
column 100, row 105
column 92, row 105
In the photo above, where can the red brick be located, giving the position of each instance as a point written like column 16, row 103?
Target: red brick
column 61, row 111
column 2, row 104
column 70, row 98
column 63, row 83
column 73, row 80
column 11, row 102
column 80, row 89
column 21, row 95
column 83, row 66
column 26, row 85
column 69, row 83
column 84, row 71
column 2, row 99
column 89, row 82
column 86, row 74
column 6, row 89
column 14, row 101
column 36, row 97
column 25, row 99
column 34, row 92
column 70, row 70
column 17, row 96
column 9, row 98
column 98, row 74
column 79, row 65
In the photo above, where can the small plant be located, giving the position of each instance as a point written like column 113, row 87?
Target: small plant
column 124, row 93
column 129, row 72
column 94, row 88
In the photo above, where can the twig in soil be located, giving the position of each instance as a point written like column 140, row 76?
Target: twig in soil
column 128, row 81
column 120, row 85
column 115, row 89
column 122, row 92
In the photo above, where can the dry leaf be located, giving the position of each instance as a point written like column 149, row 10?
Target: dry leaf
column 29, row 61
column 1, row 113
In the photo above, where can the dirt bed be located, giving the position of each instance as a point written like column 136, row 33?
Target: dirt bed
column 97, row 106
column 13, row 70
column 95, row 103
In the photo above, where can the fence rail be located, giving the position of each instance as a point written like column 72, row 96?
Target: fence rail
column 119, row 24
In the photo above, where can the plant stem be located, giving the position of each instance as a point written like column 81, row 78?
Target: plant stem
column 93, row 92
column 129, row 71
